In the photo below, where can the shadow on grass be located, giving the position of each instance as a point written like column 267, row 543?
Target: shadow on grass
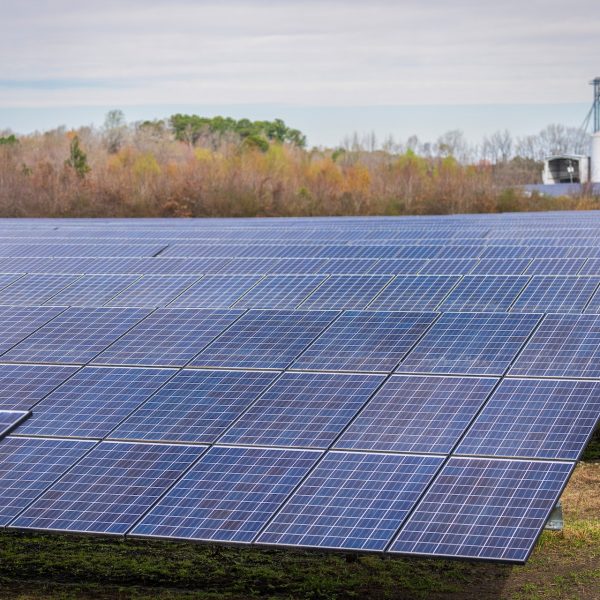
column 96, row 567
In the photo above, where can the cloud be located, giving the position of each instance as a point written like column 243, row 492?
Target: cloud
column 297, row 52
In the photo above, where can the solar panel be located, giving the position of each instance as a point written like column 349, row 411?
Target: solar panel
column 195, row 406
column 153, row 290
column 346, row 291
column 109, row 489
column 352, row 501
column 264, row 339
column 280, row 291
column 381, row 341
column 28, row 466
column 536, row 418
column 414, row 292
column 303, row 410
column 365, row 341
column 229, row 495
column 501, row 266
column 594, row 304
column 471, row 344
column 9, row 419
column 550, row 266
column 23, row 386
column 556, row 294
column 17, row 323
column 94, row 401
column 480, row 508
column 413, row 413
column 398, row 266
column 451, row 266
column 348, row 266
column 485, row 293
column 216, row 291
column 34, row 289
column 6, row 280
column 92, row 290
column 168, row 337
column 562, row 346
column 75, row 336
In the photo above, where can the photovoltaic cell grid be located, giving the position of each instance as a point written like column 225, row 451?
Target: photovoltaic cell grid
column 484, row 509
column 265, row 339
column 413, row 413
column 303, row 409
column 556, row 294
column 229, row 495
column 94, row 401
column 110, row 488
column 562, row 346
column 28, row 466
column 365, row 341
column 352, row 501
column 535, row 418
column 23, row 386
column 9, row 419
column 471, row 344
column 75, row 336
column 388, row 277
column 195, row 406
column 168, row 337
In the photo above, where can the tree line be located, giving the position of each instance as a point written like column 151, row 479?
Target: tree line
column 188, row 165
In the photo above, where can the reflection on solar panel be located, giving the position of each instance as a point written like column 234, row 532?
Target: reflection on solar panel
column 346, row 291
column 470, row 344
column 17, row 323
column 28, row 466
column 94, row 401
column 485, row 293
column 265, row 339
column 168, row 337
column 92, row 290
column 23, row 386
column 484, row 508
column 562, row 346
column 109, row 489
column 417, row 414
column 216, row 291
column 9, row 419
column 34, row 289
column 152, row 291
column 195, row 406
column 303, row 409
column 556, row 294
column 530, row 418
column 411, row 292
column 365, row 341
column 352, row 500
column 229, row 495
column 75, row 336
column 280, row 291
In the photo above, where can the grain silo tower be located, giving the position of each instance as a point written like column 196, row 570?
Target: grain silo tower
column 595, row 153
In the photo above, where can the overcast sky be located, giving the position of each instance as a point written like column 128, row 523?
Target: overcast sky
column 296, row 58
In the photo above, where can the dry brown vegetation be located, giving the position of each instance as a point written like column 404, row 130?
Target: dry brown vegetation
column 146, row 171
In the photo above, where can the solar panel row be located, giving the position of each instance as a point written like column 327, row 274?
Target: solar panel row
column 365, row 384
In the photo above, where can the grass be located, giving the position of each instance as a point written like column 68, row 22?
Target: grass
column 565, row 565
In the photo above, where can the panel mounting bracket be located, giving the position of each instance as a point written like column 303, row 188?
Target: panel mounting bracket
column 555, row 521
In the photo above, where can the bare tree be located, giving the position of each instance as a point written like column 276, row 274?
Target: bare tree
column 114, row 130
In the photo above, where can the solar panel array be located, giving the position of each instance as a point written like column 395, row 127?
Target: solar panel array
column 413, row 386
